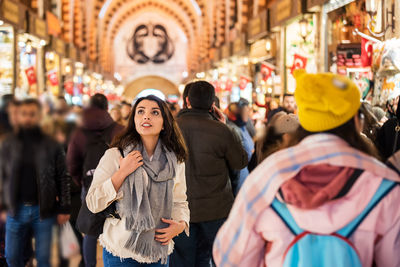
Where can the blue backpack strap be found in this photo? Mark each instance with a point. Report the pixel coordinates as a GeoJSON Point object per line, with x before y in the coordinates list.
{"type": "Point", "coordinates": [284, 213]}
{"type": "Point", "coordinates": [385, 187]}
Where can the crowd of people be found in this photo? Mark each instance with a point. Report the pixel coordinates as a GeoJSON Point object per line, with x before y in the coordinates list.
{"type": "Point", "coordinates": [196, 185]}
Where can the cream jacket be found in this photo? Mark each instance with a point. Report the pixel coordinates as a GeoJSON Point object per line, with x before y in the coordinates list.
{"type": "Point", "coordinates": [102, 193]}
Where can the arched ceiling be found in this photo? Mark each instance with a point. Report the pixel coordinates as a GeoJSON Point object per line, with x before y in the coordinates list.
{"type": "Point", "coordinates": [206, 23]}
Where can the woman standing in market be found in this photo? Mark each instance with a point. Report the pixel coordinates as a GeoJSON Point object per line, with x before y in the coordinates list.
{"type": "Point", "coordinates": [149, 187]}
{"type": "Point", "coordinates": [328, 201]}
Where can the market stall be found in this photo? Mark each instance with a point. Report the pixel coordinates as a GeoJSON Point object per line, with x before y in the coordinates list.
{"type": "Point", "coordinates": [30, 58]}
{"type": "Point", "coordinates": [11, 21]}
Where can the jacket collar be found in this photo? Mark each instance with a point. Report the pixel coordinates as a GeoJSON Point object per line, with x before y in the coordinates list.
{"type": "Point", "coordinates": [194, 112]}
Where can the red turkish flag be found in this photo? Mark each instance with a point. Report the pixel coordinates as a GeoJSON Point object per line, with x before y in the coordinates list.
{"type": "Point", "coordinates": [243, 81]}
{"type": "Point", "coordinates": [266, 71]}
{"type": "Point", "coordinates": [366, 52]}
{"type": "Point", "coordinates": [217, 85]}
{"type": "Point", "coordinates": [299, 62]}
{"type": "Point", "coordinates": [228, 85]}
{"type": "Point", "coordinates": [31, 75]}
{"type": "Point", "coordinates": [80, 87]}
{"type": "Point", "coordinates": [69, 87]}
{"type": "Point", "coordinates": [53, 77]}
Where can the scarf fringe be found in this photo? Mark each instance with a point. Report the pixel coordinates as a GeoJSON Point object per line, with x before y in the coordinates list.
{"type": "Point", "coordinates": [147, 249]}
{"type": "Point", "coordinates": [141, 225]}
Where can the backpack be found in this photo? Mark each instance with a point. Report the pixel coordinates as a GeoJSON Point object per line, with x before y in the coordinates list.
{"type": "Point", "coordinates": [92, 224]}
{"type": "Point", "coordinates": [333, 250]}
{"type": "Point", "coordinates": [97, 142]}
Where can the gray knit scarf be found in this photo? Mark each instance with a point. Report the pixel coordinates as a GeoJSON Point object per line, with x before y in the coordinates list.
{"type": "Point", "coordinates": [144, 206]}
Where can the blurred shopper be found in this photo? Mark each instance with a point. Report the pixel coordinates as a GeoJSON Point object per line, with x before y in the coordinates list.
{"type": "Point", "coordinates": [116, 114]}
{"type": "Point", "coordinates": [239, 117]}
{"type": "Point", "coordinates": [149, 185]}
{"type": "Point", "coordinates": [35, 186]}
{"type": "Point", "coordinates": [388, 136]}
{"type": "Point", "coordinates": [212, 148]}
{"type": "Point", "coordinates": [380, 115]}
{"type": "Point", "coordinates": [126, 111]}
{"type": "Point", "coordinates": [370, 123]}
{"type": "Point", "coordinates": [323, 189]}
{"type": "Point", "coordinates": [266, 105]}
{"type": "Point", "coordinates": [5, 126]}
{"type": "Point", "coordinates": [288, 106]}
{"type": "Point", "coordinates": [279, 134]}
{"type": "Point", "coordinates": [185, 94]}
{"type": "Point", "coordinates": [88, 144]}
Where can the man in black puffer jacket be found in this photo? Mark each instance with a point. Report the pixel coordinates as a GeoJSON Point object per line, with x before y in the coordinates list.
{"type": "Point", "coordinates": [34, 186]}
{"type": "Point", "coordinates": [213, 150]}
{"type": "Point", "coordinates": [388, 137]}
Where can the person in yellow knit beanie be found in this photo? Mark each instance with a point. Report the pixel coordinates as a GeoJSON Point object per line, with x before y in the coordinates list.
{"type": "Point", "coordinates": [325, 100]}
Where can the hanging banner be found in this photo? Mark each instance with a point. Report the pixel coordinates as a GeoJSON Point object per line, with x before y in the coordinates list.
{"type": "Point", "coordinates": [266, 71]}
{"type": "Point", "coordinates": [217, 85]}
{"type": "Point", "coordinates": [366, 52]}
{"type": "Point", "coordinates": [69, 87]}
{"type": "Point", "coordinates": [243, 81]}
{"type": "Point", "coordinates": [31, 75]}
{"type": "Point", "coordinates": [228, 85]}
{"type": "Point", "coordinates": [299, 62]}
{"type": "Point", "coordinates": [53, 77]}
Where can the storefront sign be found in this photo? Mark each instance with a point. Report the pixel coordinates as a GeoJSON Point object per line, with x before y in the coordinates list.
{"type": "Point", "coordinates": [239, 45]}
{"type": "Point", "coordinates": [37, 26]}
{"type": "Point", "coordinates": [13, 13]}
{"type": "Point", "coordinates": [53, 24]}
{"type": "Point", "coordinates": [299, 62]}
{"type": "Point", "coordinates": [58, 46]}
{"type": "Point", "coordinates": [225, 51]}
{"type": "Point", "coordinates": [72, 52]}
{"type": "Point", "coordinates": [257, 27]}
{"type": "Point", "coordinates": [284, 10]}
{"type": "Point", "coordinates": [314, 3]}
{"type": "Point", "coordinates": [31, 75]}
{"type": "Point", "coordinates": [83, 58]}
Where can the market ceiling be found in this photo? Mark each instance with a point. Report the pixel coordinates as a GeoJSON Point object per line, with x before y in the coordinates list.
{"type": "Point", "coordinates": [204, 23]}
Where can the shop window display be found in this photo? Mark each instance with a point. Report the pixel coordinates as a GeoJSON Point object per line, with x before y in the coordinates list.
{"type": "Point", "coordinates": [27, 66]}
{"type": "Point", "coordinates": [348, 52]}
{"type": "Point", "coordinates": [300, 48]}
{"type": "Point", "coordinates": [52, 73]}
{"type": "Point", "coordinates": [6, 59]}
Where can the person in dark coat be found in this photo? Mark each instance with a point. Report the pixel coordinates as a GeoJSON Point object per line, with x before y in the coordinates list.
{"type": "Point", "coordinates": [213, 149]}
{"type": "Point", "coordinates": [34, 186]}
{"type": "Point", "coordinates": [96, 121]}
{"type": "Point", "coordinates": [5, 125]}
{"type": "Point", "coordinates": [386, 136]}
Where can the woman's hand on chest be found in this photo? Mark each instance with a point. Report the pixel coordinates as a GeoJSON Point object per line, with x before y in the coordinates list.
{"type": "Point", "coordinates": [165, 235]}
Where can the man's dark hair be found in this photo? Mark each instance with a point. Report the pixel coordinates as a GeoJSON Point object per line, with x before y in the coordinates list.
{"type": "Point", "coordinates": [186, 93]}
{"type": "Point", "coordinates": [99, 101]}
{"type": "Point", "coordinates": [243, 102]}
{"type": "Point", "coordinates": [201, 95]}
{"type": "Point", "coordinates": [124, 103]}
{"type": "Point", "coordinates": [31, 101]}
{"type": "Point", "coordinates": [217, 102]}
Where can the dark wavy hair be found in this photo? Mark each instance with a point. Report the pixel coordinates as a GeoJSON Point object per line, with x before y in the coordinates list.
{"type": "Point", "coordinates": [348, 132]}
{"type": "Point", "coordinates": [171, 136]}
